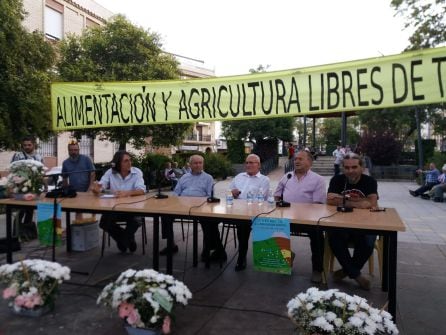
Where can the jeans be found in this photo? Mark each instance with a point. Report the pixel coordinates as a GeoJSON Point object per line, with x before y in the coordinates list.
{"type": "Point", "coordinates": [363, 248]}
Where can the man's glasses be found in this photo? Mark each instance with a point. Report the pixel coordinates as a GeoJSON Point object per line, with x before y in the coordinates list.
{"type": "Point", "coordinates": [251, 162]}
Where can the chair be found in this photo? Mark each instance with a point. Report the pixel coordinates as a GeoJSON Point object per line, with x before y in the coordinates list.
{"type": "Point", "coordinates": [143, 236]}
{"type": "Point", "coordinates": [329, 257]}
{"type": "Point", "coordinates": [228, 226]}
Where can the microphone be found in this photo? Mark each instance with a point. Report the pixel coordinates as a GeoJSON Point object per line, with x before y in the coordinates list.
{"type": "Point", "coordinates": [160, 195]}
{"type": "Point", "coordinates": [63, 192]}
{"type": "Point", "coordinates": [213, 199]}
{"type": "Point", "coordinates": [281, 202]}
{"type": "Point", "coordinates": [344, 208]}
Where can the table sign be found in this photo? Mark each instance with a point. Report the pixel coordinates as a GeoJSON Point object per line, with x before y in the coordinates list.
{"type": "Point", "coordinates": [45, 212]}
{"type": "Point", "coordinates": [271, 245]}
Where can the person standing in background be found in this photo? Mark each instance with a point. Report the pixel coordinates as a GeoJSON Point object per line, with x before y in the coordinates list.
{"type": "Point", "coordinates": [78, 171]}
{"type": "Point", "coordinates": [27, 228]}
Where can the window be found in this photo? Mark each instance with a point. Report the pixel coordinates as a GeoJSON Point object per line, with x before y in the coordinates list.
{"type": "Point", "coordinates": [86, 146]}
{"type": "Point", "coordinates": [48, 148]}
{"type": "Point", "coordinates": [53, 25]}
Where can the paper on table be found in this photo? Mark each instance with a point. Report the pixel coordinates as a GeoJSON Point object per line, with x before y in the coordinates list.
{"type": "Point", "coordinates": [108, 196]}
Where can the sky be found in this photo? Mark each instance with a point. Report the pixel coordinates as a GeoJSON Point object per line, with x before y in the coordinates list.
{"type": "Point", "coordinates": [233, 36]}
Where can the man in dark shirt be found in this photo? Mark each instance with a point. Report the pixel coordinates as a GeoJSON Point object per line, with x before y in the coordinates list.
{"type": "Point", "coordinates": [360, 191]}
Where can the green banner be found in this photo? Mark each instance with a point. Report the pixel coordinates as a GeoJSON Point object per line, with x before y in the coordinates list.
{"type": "Point", "coordinates": [407, 79]}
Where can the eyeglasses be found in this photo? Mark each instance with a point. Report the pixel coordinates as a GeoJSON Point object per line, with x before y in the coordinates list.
{"type": "Point", "coordinates": [251, 162]}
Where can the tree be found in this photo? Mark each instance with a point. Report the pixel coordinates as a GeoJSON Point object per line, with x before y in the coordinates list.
{"type": "Point", "coordinates": [264, 133]}
{"type": "Point", "coordinates": [120, 51]}
{"type": "Point", "coordinates": [426, 18]}
{"type": "Point", "coordinates": [330, 131]}
{"type": "Point", "coordinates": [25, 64]}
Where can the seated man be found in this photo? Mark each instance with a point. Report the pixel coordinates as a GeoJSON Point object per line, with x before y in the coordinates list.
{"type": "Point", "coordinates": [252, 179]}
{"type": "Point", "coordinates": [197, 183]}
{"type": "Point", "coordinates": [306, 186]}
{"type": "Point", "coordinates": [122, 180]}
{"type": "Point", "coordinates": [361, 191]}
{"type": "Point", "coordinates": [436, 193]}
{"type": "Point", "coordinates": [431, 180]}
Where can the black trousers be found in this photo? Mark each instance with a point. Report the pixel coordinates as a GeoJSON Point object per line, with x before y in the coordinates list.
{"type": "Point", "coordinates": [109, 224]}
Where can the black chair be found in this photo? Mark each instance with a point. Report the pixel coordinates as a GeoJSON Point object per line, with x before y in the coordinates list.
{"type": "Point", "coordinates": [227, 226]}
{"type": "Point", "coordinates": [143, 236]}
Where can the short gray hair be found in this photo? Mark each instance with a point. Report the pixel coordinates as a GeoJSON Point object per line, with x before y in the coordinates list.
{"type": "Point", "coordinates": [352, 155]}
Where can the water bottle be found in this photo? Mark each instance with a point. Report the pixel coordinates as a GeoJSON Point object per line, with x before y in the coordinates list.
{"type": "Point", "coordinates": [270, 197]}
{"type": "Point", "coordinates": [229, 198]}
{"type": "Point", "coordinates": [250, 197]}
{"type": "Point", "coordinates": [260, 197]}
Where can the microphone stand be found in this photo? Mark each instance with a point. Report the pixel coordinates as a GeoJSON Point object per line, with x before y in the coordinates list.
{"type": "Point", "coordinates": [59, 192]}
{"type": "Point", "coordinates": [212, 199]}
{"type": "Point", "coordinates": [160, 195]}
{"type": "Point", "coordinates": [281, 202]}
{"type": "Point", "coordinates": [343, 208]}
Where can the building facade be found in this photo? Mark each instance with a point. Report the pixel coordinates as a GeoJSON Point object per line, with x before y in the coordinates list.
{"type": "Point", "coordinates": [56, 19]}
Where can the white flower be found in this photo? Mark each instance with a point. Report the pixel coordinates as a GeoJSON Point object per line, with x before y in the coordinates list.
{"type": "Point", "coordinates": [335, 312]}
{"type": "Point", "coordinates": [147, 290]}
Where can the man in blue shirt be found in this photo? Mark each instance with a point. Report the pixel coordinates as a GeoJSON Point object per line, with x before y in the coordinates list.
{"type": "Point", "coordinates": [198, 183]}
{"type": "Point", "coordinates": [122, 180]}
{"type": "Point", "coordinates": [78, 171]}
{"type": "Point", "coordinates": [431, 180]}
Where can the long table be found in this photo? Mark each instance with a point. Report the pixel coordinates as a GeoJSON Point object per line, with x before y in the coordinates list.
{"type": "Point", "coordinates": [302, 216]}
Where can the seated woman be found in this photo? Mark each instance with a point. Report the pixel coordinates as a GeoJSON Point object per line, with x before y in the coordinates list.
{"type": "Point", "coordinates": [122, 180]}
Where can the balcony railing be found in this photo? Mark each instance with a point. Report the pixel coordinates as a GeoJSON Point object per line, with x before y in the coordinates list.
{"type": "Point", "coordinates": [198, 138]}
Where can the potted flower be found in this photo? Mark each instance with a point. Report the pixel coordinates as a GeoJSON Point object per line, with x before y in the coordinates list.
{"type": "Point", "coordinates": [333, 312]}
{"type": "Point", "coordinates": [145, 299]}
{"type": "Point", "coordinates": [32, 285]}
{"type": "Point", "coordinates": [26, 178]}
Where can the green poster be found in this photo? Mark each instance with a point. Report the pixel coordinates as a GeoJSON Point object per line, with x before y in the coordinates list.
{"type": "Point", "coordinates": [45, 213]}
{"type": "Point", "coordinates": [271, 245]}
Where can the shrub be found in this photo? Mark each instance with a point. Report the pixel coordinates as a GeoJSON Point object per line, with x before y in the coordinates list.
{"type": "Point", "coordinates": [236, 151]}
{"type": "Point", "coordinates": [382, 148]}
{"type": "Point", "coordinates": [217, 165]}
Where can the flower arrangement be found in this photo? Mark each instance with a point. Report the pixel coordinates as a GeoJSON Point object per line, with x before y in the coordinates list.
{"type": "Point", "coordinates": [145, 298]}
{"type": "Point", "coordinates": [32, 283]}
{"type": "Point", "coordinates": [334, 312]}
{"type": "Point", "coordinates": [26, 176]}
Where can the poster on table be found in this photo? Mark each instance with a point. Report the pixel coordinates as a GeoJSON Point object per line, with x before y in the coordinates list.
{"type": "Point", "coordinates": [271, 245]}
{"type": "Point", "coordinates": [45, 213]}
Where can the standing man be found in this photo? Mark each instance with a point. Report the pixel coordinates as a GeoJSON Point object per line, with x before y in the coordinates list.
{"type": "Point", "coordinates": [27, 228]}
{"type": "Point", "coordinates": [360, 191]}
{"type": "Point", "coordinates": [198, 183]}
{"type": "Point", "coordinates": [250, 180]}
{"type": "Point", "coordinates": [338, 154]}
{"type": "Point", "coordinates": [78, 171]}
{"type": "Point", "coordinates": [122, 180]}
{"type": "Point", "coordinates": [306, 186]}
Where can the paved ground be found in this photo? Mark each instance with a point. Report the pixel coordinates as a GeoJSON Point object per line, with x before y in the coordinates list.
{"type": "Point", "coordinates": [250, 302]}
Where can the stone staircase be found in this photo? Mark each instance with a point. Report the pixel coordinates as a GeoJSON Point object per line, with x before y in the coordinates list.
{"type": "Point", "coordinates": [323, 165]}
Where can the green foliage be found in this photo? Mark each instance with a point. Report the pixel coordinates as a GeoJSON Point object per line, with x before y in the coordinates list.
{"type": "Point", "coordinates": [331, 131]}
{"type": "Point", "coordinates": [152, 167]}
{"type": "Point", "coordinates": [217, 165]}
{"type": "Point", "coordinates": [382, 148]}
{"type": "Point", "coordinates": [426, 19]}
{"type": "Point", "coordinates": [439, 158]}
{"type": "Point", "coordinates": [236, 151]}
{"type": "Point", "coordinates": [120, 51]}
{"type": "Point", "coordinates": [428, 147]}
{"type": "Point", "coordinates": [25, 73]}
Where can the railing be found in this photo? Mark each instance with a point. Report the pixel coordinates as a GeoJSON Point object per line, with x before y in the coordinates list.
{"type": "Point", "coordinates": [198, 138]}
{"type": "Point", "coordinates": [269, 165]}
{"type": "Point", "coordinates": [48, 148]}
{"type": "Point", "coordinates": [289, 165]}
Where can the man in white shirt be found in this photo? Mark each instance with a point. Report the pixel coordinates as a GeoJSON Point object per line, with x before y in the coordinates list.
{"type": "Point", "coordinates": [250, 180]}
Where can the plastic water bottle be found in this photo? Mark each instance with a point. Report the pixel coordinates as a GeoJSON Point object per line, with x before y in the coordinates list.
{"type": "Point", "coordinates": [250, 197]}
{"type": "Point", "coordinates": [270, 197]}
{"type": "Point", "coordinates": [259, 196]}
{"type": "Point", "coordinates": [229, 198]}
